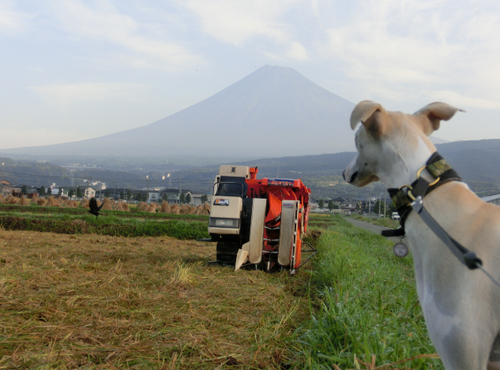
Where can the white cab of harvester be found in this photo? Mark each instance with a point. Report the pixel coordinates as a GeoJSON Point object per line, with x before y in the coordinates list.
{"type": "Point", "coordinates": [225, 214]}
{"type": "Point", "coordinates": [225, 210]}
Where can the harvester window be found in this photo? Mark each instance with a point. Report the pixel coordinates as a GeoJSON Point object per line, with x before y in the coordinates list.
{"type": "Point", "coordinates": [230, 189]}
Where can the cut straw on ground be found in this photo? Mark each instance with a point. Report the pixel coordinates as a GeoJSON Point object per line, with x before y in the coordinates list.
{"type": "Point", "coordinates": [110, 302]}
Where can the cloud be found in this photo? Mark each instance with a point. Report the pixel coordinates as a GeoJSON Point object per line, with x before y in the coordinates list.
{"type": "Point", "coordinates": [104, 23]}
{"type": "Point", "coordinates": [297, 51]}
{"type": "Point", "coordinates": [293, 50]}
{"type": "Point", "coordinates": [63, 97]}
{"type": "Point", "coordinates": [238, 22]}
{"type": "Point", "coordinates": [403, 50]}
{"type": "Point", "coordinates": [460, 100]}
{"type": "Point", "coordinates": [10, 20]}
{"type": "Point", "coordinates": [235, 22]}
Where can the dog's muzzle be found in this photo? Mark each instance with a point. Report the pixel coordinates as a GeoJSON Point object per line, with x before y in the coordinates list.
{"type": "Point", "coordinates": [353, 177]}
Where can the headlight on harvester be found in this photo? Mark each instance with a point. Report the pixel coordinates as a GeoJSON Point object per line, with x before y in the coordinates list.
{"type": "Point", "coordinates": [224, 222]}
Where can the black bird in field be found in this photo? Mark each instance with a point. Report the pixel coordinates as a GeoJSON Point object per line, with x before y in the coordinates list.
{"type": "Point", "coordinates": [94, 208]}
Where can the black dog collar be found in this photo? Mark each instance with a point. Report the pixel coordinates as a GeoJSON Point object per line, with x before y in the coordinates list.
{"type": "Point", "coordinates": [402, 197]}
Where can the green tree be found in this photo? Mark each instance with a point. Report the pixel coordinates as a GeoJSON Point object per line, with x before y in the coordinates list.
{"type": "Point", "coordinates": [122, 195]}
{"type": "Point", "coordinates": [188, 198]}
{"type": "Point", "coordinates": [71, 192]}
{"type": "Point", "coordinates": [204, 198]}
{"type": "Point", "coordinates": [24, 190]}
{"type": "Point", "coordinates": [165, 197]}
{"type": "Point", "coordinates": [129, 194]}
{"type": "Point", "coordinates": [330, 205]}
{"type": "Point", "coordinates": [107, 193]}
{"type": "Point", "coordinates": [42, 191]}
{"type": "Point", "coordinates": [79, 192]}
{"type": "Point", "coordinates": [60, 191]}
{"type": "Point", "coordinates": [321, 203]}
{"type": "Point", "coordinates": [182, 198]}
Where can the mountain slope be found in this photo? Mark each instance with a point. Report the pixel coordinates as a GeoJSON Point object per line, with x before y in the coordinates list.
{"type": "Point", "coordinates": [273, 111]}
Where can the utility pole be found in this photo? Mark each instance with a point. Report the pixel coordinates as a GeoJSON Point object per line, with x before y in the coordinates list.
{"type": "Point", "coordinates": [370, 201]}
{"type": "Point", "coordinates": [147, 190]}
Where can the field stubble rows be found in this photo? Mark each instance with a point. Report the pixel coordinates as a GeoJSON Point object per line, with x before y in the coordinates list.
{"type": "Point", "coordinates": [93, 301]}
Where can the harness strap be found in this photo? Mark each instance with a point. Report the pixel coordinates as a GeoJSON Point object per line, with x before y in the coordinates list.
{"type": "Point", "coordinates": [467, 257]}
{"type": "Point", "coordinates": [389, 233]}
{"type": "Point", "coordinates": [404, 203]}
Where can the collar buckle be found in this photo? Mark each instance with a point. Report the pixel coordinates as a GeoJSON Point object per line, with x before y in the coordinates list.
{"type": "Point", "coordinates": [408, 192]}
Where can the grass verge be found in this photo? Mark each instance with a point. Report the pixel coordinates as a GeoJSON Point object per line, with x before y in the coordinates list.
{"type": "Point", "coordinates": [364, 306]}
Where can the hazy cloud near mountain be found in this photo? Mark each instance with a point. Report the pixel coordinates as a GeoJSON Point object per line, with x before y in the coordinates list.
{"type": "Point", "coordinates": [66, 97]}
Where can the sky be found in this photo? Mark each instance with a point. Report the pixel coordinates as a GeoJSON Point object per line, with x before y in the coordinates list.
{"type": "Point", "coordinates": [72, 70]}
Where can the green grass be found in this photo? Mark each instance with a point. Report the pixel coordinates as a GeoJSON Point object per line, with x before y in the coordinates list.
{"type": "Point", "coordinates": [363, 304]}
{"type": "Point", "coordinates": [387, 222]}
{"type": "Point", "coordinates": [321, 221]}
{"type": "Point", "coordinates": [109, 225]}
{"type": "Point", "coordinates": [134, 212]}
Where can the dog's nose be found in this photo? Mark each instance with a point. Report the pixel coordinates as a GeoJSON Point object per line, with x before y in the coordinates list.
{"type": "Point", "coordinates": [352, 177]}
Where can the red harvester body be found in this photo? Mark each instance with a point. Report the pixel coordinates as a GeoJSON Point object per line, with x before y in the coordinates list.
{"type": "Point", "coordinates": [258, 221]}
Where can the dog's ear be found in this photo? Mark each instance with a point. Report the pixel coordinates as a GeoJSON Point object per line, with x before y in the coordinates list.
{"type": "Point", "coordinates": [372, 115]}
{"type": "Point", "coordinates": [431, 115]}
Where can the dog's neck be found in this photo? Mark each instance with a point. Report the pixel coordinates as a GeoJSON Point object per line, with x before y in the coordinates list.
{"type": "Point", "coordinates": [404, 165]}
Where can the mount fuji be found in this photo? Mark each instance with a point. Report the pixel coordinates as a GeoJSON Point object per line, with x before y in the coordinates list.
{"type": "Point", "coordinates": [274, 111]}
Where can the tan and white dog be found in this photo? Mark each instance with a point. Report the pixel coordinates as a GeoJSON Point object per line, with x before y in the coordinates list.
{"type": "Point", "coordinates": [461, 306]}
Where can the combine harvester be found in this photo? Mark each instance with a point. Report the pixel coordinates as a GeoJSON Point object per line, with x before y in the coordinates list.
{"type": "Point", "coordinates": [259, 222]}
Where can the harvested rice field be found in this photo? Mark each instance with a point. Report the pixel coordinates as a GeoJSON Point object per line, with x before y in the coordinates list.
{"type": "Point", "coordinates": [103, 302]}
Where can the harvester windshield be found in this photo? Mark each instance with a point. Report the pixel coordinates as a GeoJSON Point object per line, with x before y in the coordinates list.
{"type": "Point", "coordinates": [231, 186]}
